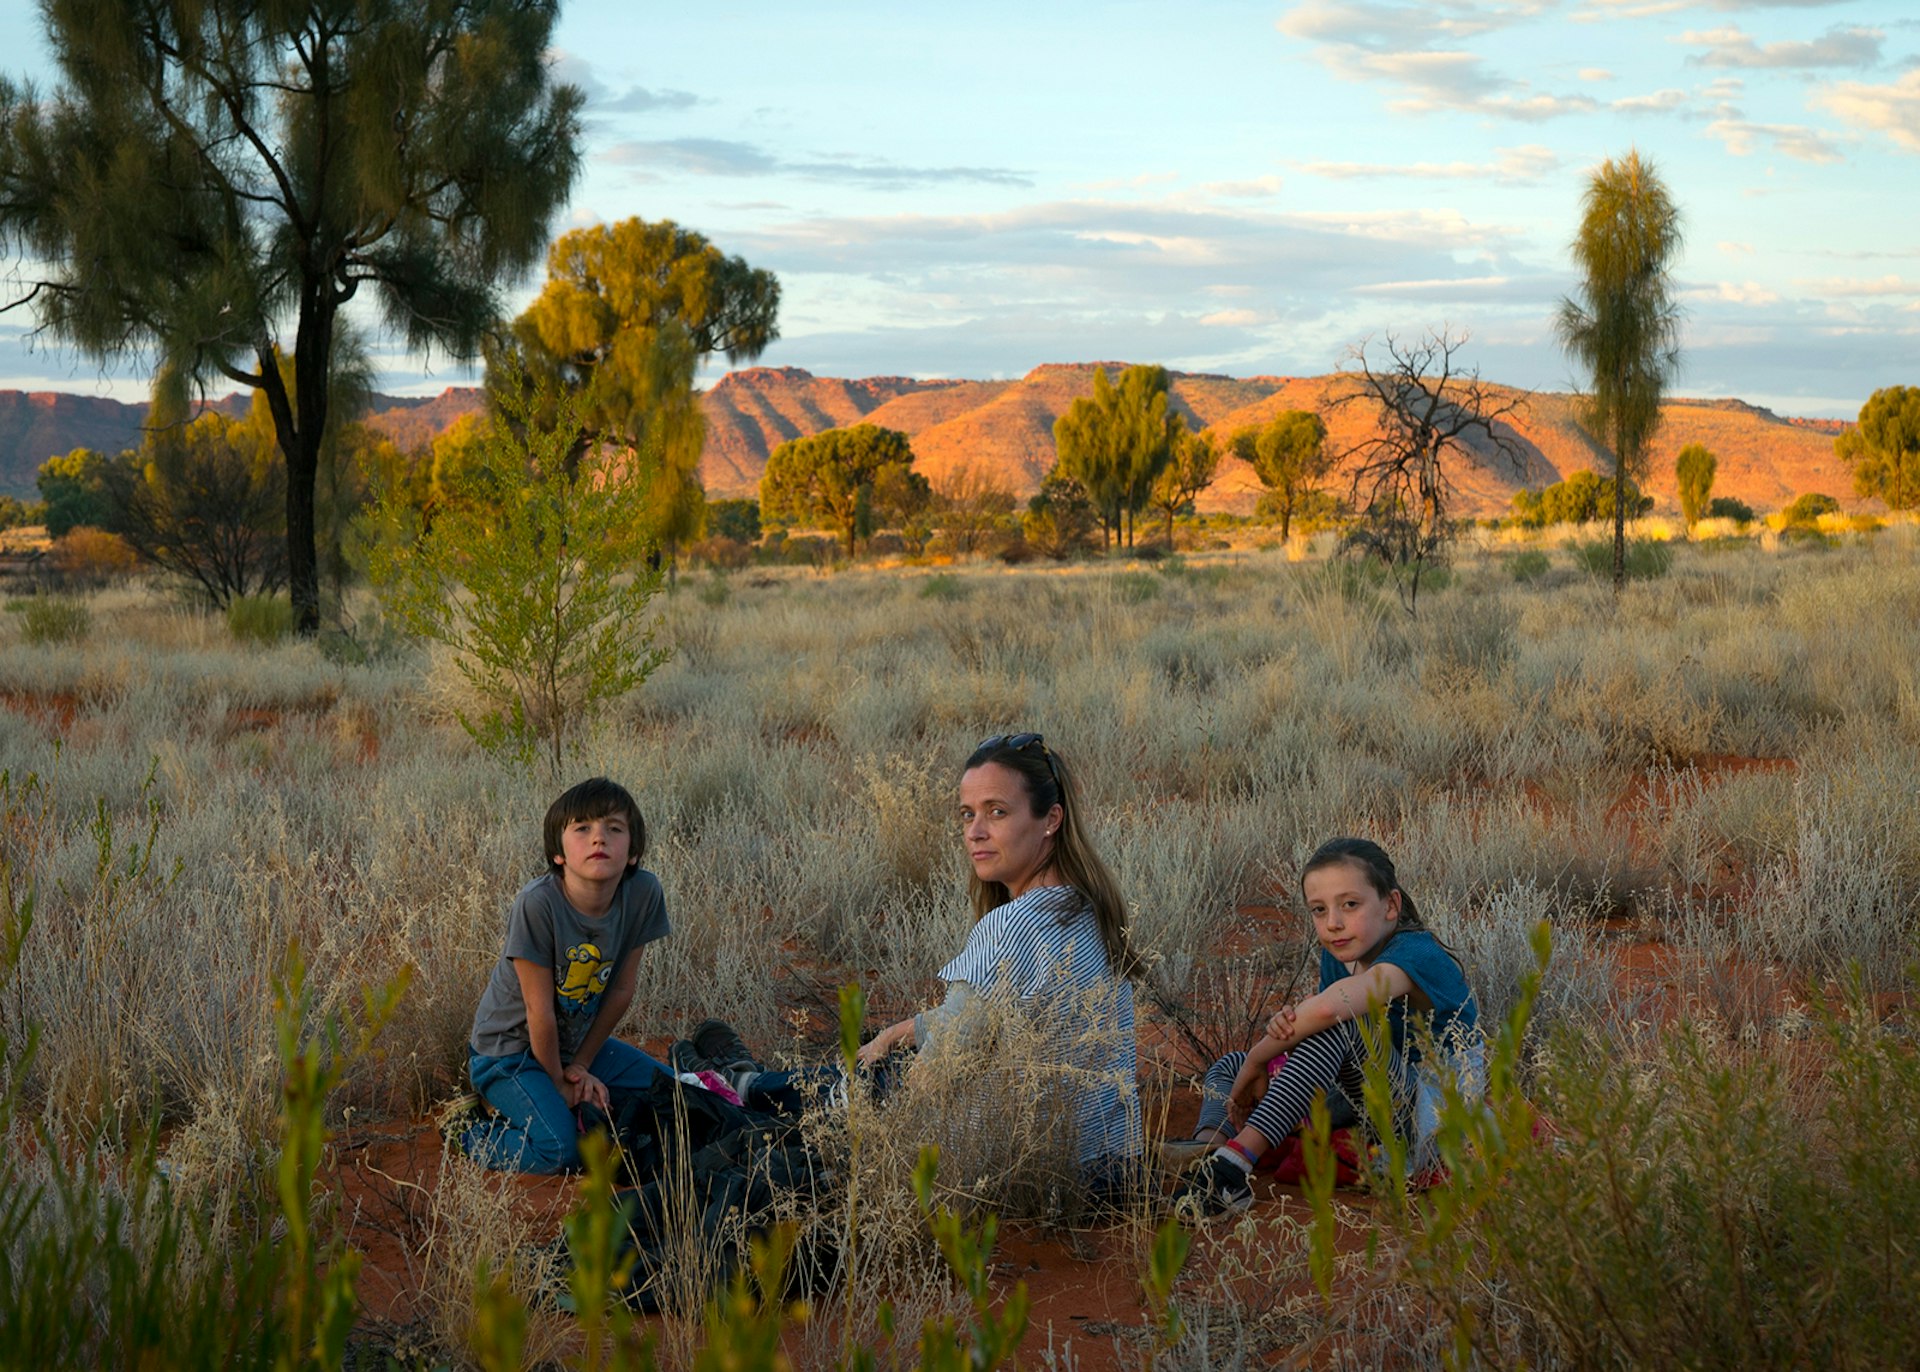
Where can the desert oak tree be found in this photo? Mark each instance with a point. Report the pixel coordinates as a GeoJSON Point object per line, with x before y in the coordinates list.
{"type": "Point", "coordinates": [833, 475]}
{"type": "Point", "coordinates": [1624, 328]}
{"type": "Point", "coordinates": [1116, 442]}
{"type": "Point", "coordinates": [628, 312]}
{"type": "Point", "coordinates": [1884, 448]}
{"type": "Point", "coordinates": [1693, 472]}
{"type": "Point", "coordinates": [209, 178]}
{"type": "Point", "coordinates": [1289, 455]}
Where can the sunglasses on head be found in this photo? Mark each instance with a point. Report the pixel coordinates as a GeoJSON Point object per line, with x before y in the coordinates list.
{"type": "Point", "coordinates": [1019, 743]}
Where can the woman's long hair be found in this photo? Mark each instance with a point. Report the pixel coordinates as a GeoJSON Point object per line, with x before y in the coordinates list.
{"type": "Point", "coordinates": [1049, 782]}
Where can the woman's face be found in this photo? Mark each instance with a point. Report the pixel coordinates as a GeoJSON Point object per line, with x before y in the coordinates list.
{"type": "Point", "coordinates": [1006, 842]}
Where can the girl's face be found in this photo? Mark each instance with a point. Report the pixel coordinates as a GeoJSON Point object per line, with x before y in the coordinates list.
{"type": "Point", "coordinates": [1006, 842]}
{"type": "Point", "coordinates": [1350, 918]}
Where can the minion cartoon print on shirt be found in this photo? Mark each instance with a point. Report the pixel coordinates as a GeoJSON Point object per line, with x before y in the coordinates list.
{"type": "Point", "coordinates": [587, 976]}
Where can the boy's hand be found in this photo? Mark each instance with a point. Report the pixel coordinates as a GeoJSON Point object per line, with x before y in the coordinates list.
{"type": "Point", "coordinates": [584, 1088]}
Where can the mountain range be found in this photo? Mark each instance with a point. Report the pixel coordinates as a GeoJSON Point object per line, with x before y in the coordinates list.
{"type": "Point", "coordinates": [1002, 431]}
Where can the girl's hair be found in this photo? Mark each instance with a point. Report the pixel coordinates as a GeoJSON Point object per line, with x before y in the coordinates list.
{"type": "Point", "coordinates": [1049, 782]}
{"type": "Point", "coordinates": [594, 798]}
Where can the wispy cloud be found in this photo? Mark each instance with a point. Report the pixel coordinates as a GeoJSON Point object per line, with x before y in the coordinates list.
{"type": "Point", "coordinates": [1798, 141]}
{"type": "Point", "coordinates": [1858, 286]}
{"type": "Point", "coordinates": [1416, 49]}
{"type": "Point", "coordinates": [1731, 46]}
{"type": "Point", "coordinates": [728, 157]}
{"type": "Point", "coordinates": [604, 99]}
{"type": "Point", "coordinates": [1892, 109]}
{"type": "Point", "coordinates": [1512, 166]}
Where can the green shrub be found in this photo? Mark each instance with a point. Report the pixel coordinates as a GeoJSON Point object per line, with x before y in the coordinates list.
{"type": "Point", "coordinates": [1805, 511]}
{"type": "Point", "coordinates": [1646, 558]}
{"type": "Point", "coordinates": [714, 591]}
{"type": "Point", "coordinates": [1530, 565]}
{"type": "Point", "coordinates": [1726, 507]}
{"type": "Point", "coordinates": [259, 618]}
{"type": "Point", "coordinates": [942, 586]}
{"type": "Point", "coordinates": [55, 619]}
{"type": "Point", "coordinates": [1136, 588]}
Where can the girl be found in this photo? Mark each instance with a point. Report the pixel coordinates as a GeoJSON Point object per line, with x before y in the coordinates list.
{"type": "Point", "coordinates": [1373, 950]}
{"type": "Point", "coordinates": [1050, 933]}
{"type": "Point", "coordinates": [542, 1042]}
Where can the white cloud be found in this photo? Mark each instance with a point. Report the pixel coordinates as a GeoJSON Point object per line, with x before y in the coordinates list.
{"type": "Point", "coordinates": [1258, 188]}
{"type": "Point", "coordinates": [729, 157]}
{"type": "Point", "coordinates": [1731, 46]}
{"type": "Point", "coordinates": [1728, 248]}
{"type": "Point", "coordinates": [1734, 293]}
{"type": "Point", "coordinates": [1415, 48]}
{"type": "Point", "coordinates": [1857, 286]}
{"type": "Point", "coordinates": [1232, 319]}
{"type": "Point", "coordinates": [1659, 102]}
{"type": "Point", "coordinates": [1891, 109]}
{"type": "Point", "coordinates": [1595, 74]}
{"type": "Point", "coordinates": [1797, 141]}
{"type": "Point", "coordinates": [1513, 166]}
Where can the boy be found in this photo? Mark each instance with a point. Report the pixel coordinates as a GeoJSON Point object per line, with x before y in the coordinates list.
{"type": "Point", "coordinates": [542, 1043]}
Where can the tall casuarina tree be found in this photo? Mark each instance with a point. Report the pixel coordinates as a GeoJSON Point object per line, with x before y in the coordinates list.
{"type": "Point", "coordinates": [1624, 328]}
{"type": "Point", "coordinates": [212, 181]}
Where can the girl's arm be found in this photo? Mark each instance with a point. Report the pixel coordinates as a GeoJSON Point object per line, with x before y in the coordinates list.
{"type": "Point", "coordinates": [1348, 998]}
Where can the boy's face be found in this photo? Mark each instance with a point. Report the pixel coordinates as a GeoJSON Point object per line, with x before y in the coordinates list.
{"type": "Point", "coordinates": [596, 849]}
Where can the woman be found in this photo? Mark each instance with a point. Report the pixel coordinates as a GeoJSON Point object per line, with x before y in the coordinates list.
{"type": "Point", "coordinates": [1050, 939]}
{"type": "Point", "coordinates": [1050, 934]}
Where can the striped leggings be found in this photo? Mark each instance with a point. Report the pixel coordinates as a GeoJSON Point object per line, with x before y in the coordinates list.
{"type": "Point", "coordinates": [1331, 1062]}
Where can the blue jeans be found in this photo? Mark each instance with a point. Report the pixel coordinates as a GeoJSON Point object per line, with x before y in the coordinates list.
{"type": "Point", "coordinates": [533, 1130]}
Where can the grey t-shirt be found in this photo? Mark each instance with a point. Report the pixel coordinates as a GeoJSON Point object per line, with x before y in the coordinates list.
{"type": "Point", "coordinates": [584, 954]}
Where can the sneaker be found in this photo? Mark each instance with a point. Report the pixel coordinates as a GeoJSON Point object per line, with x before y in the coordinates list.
{"type": "Point", "coordinates": [1180, 1154]}
{"type": "Point", "coordinates": [1217, 1186]}
{"type": "Point", "coordinates": [684, 1057]}
{"type": "Point", "coordinates": [716, 1041]}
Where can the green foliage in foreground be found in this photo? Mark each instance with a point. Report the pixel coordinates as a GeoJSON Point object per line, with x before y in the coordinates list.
{"type": "Point", "coordinates": [1695, 1205]}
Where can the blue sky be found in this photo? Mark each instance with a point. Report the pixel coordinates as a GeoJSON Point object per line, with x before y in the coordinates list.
{"type": "Point", "coordinates": [1248, 188]}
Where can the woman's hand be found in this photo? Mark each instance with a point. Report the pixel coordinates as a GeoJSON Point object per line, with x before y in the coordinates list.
{"type": "Point", "coordinates": [884, 1042]}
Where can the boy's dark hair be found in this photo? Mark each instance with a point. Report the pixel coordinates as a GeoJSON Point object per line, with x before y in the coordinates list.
{"type": "Point", "coordinates": [594, 798]}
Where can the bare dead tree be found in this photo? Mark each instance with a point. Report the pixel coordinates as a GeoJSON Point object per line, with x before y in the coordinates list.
{"type": "Point", "coordinates": [1428, 403]}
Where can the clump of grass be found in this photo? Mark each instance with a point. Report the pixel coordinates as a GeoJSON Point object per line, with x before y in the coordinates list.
{"type": "Point", "coordinates": [1528, 565]}
{"type": "Point", "coordinates": [942, 586]}
{"type": "Point", "coordinates": [54, 619]}
{"type": "Point", "coordinates": [262, 619]}
{"type": "Point", "coordinates": [1646, 558]}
